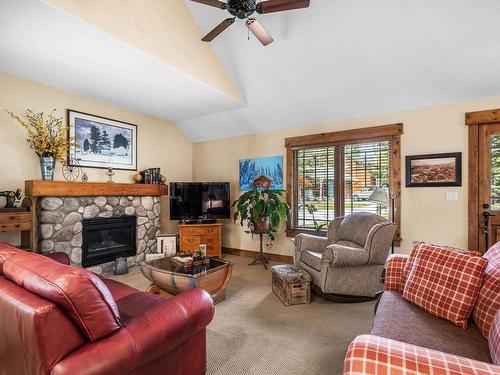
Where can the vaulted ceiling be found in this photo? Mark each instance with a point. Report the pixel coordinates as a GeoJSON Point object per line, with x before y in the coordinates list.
{"type": "Point", "coordinates": [336, 59]}
{"type": "Point", "coordinates": [343, 59]}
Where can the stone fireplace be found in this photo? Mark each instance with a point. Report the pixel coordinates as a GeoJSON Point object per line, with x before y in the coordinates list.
{"type": "Point", "coordinates": [61, 221]}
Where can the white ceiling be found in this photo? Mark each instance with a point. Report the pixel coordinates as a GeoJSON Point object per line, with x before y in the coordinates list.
{"type": "Point", "coordinates": [343, 59]}
{"type": "Point", "coordinates": [42, 43]}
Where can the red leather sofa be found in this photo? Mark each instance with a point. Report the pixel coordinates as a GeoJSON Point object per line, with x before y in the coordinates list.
{"type": "Point", "coordinates": [58, 319]}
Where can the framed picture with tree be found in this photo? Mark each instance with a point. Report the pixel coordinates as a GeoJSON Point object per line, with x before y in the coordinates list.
{"type": "Point", "coordinates": [101, 142]}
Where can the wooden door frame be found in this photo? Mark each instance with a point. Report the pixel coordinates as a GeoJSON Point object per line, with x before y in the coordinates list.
{"type": "Point", "coordinates": [474, 120]}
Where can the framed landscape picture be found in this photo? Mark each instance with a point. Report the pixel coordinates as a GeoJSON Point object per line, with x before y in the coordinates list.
{"type": "Point", "coordinates": [102, 142]}
{"type": "Point", "coordinates": [263, 173]}
{"type": "Point", "coordinates": [434, 170]}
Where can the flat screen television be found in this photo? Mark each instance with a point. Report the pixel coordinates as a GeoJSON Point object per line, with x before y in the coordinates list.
{"type": "Point", "coordinates": [199, 200]}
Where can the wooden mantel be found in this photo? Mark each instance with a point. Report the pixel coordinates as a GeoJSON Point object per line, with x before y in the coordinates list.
{"type": "Point", "coordinates": [39, 188]}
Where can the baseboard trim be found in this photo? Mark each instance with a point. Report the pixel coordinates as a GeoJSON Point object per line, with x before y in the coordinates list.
{"type": "Point", "coordinates": [285, 259]}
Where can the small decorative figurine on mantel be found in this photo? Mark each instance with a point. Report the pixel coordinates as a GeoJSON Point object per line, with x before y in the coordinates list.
{"type": "Point", "coordinates": [11, 197]}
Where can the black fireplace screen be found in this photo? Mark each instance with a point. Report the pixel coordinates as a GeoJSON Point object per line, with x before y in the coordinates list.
{"type": "Point", "coordinates": [105, 239]}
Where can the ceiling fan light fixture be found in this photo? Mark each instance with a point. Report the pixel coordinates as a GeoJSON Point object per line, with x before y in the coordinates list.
{"type": "Point", "coordinates": [260, 33]}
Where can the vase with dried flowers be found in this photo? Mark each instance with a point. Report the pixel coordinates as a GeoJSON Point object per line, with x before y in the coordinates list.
{"type": "Point", "coordinates": [47, 136]}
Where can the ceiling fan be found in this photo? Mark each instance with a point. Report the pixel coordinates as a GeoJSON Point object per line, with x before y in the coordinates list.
{"type": "Point", "coordinates": [243, 9]}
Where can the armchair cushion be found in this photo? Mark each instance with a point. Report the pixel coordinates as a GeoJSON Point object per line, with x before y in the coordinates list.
{"type": "Point", "coordinates": [305, 241]}
{"type": "Point", "coordinates": [80, 293]}
{"type": "Point", "coordinates": [312, 259]}
{"type": "Point", "coordinates": [488, 302]}
{"type": "Point", "coordinates": [345, 256]}
{"type": "Point", "coordinates": [356, 227]}
{"type": "Point", "coordinates": [445, 283]}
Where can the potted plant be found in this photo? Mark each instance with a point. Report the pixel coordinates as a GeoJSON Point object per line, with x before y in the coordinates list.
{"type": "Point", "coordinates": [262, 211]}
{"type": "Point", "coordinates": [47, 136]}
{"type": "Point", "coordinates": [311, 208]}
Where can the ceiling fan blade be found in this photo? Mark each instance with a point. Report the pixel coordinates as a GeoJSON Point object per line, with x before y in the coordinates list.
{"type": "Point", "coordinates": [260, 33]}
{"type": "Point", "coordinates": [218, 29]}
{"type": "Point", "coordinates": [212, 3]}
{"type": "Point", "coordinates": [271, 6]}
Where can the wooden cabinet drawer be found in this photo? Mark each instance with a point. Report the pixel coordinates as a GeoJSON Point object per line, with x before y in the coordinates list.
{"type": "Point", "coordinates": [190, 243]}
{"type": "Point", "coordinates": [199, 231]}
{"type": "Point", "coordinates": [10, 222]}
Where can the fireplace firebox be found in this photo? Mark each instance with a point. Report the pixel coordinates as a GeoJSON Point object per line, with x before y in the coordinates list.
{"type": "Point", "coordinates": [105, 239]}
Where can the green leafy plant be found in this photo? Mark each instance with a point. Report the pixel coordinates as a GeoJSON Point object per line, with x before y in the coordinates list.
{"type": "Point", "coordinates": [262, 211]}
{"type": "Point", "coordinates": [311, 208]}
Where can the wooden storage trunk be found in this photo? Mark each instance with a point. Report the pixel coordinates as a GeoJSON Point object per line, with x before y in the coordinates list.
{"type": "Point", "coordinates": [291, 284]}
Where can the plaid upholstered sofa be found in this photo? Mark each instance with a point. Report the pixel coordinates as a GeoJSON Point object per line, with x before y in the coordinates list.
{"type": "Point", "coordinates": [407, 340]}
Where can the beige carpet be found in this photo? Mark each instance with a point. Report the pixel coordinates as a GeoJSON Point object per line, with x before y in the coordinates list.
{"type": "Point", "coordinates": [254, 334]}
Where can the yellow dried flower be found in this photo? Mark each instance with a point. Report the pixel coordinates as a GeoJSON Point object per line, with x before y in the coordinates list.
{"type": "Point", "coordinates": [47, 135]}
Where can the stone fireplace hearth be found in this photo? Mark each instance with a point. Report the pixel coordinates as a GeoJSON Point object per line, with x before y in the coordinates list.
{"type": "Point", "coordinates": [60, 223]}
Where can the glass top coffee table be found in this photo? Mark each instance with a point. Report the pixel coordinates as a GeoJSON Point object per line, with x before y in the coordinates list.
{"type": "Point", "coordinates": [169, 278]}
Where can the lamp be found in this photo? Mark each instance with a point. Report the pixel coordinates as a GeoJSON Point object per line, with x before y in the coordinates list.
{"type": "Point", "coordinates": [381, 197]}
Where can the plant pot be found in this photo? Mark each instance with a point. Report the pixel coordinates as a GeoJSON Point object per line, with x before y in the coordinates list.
{"type": "Point", "coordinates": [261, 225]}
{"type": "Point", "coordinates": [47, 167]}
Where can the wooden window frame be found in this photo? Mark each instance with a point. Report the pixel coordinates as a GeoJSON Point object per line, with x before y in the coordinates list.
{"type": "Point", "coordinates": [474, 120]}
{"type": "Point", "coordinates": [391, 132]}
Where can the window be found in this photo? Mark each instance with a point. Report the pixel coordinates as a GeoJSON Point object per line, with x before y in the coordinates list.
{"type": "Point", "coordinates": [335, 174]}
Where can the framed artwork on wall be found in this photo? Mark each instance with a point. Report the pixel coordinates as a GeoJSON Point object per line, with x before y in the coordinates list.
{"type": "Point", "coordinates": [434, 170]}
{"type": "Point", "coordinates": [264, 173]}
{"type": "Point", "coordinates": [102, 142]}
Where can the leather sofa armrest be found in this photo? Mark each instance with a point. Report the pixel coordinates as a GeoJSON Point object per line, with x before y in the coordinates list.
{"type": "Point", "coordinates": [59, 256]}
{"type": "Point", "coordinates": [371, 355]}
{"type": "Point", "coordinates": [394, 278]}
{"type": "Point", "coordinates": [143, 339]}
{"type": "Point", "coordinates": [338, 255]}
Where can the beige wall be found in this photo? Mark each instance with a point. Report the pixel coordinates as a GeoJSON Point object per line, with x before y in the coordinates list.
{"type": "Point", "coordinates": [162, 28]}
{"type": "Point", "coordinates": [426, 215]}
{"type": "Point", "coordinates": [160, 144]}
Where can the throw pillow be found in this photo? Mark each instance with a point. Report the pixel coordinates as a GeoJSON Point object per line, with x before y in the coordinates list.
{"type": "Point", "coordinates": [445, 283]}
{"type": "Point", "coordinates": [494, 339]}
{"type": "Point", "coordinates": [80, 293]}
{"type": "Point", "coordinates": [488, 301]}
{"type": "Point", "coordinates": [415, 247]}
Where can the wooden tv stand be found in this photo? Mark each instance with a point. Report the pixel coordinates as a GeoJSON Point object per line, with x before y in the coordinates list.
{"type": "Point", "coordinates": [192, 235]}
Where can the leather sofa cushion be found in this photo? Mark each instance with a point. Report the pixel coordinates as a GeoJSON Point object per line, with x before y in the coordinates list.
{"type": "Point", "coordinates": [80, 293]}
{"type": "Point", "coordinates": [6, 251]}
{"type": "Point", "coordinates": [35, 333]}
{"type": "Point", "coordinates": [312, 259]}
{"type": "Point", "coordinates": [397, 319]}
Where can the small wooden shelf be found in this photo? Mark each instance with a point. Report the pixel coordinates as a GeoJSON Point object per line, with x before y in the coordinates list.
{"type": "Point", "coordinates": [39, 188]}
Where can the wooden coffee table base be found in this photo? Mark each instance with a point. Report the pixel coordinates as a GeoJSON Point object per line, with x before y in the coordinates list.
{"type": "Point", "coordinates": [154, 289]}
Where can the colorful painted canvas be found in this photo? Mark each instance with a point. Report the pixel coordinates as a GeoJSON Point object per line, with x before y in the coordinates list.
{"type": "Point", "coordinates": [102, 142]}
{"type": "Point", "coordinates": [264, 173]}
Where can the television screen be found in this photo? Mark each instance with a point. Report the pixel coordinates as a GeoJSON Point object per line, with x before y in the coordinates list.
{"type": "Point", "coordinates": [194, 200]}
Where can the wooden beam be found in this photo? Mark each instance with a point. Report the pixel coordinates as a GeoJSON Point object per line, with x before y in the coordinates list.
{"type": "Point", "coordinates": [39, 188]}
{"type": "Point", "coordinates": [396, 185]}
{"type": "Point", "coordinates": [482, 117]}
{"type": "Point", "coordinates": [346, 136]}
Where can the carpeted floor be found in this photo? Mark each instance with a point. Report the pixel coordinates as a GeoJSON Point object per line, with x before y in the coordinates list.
{"type": "Point", "coordinates": [252, 333]}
